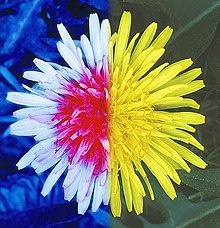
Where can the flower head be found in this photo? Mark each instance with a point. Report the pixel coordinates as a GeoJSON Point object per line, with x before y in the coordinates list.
{"type": "Point", "coordinates": [144, 129]}
{"type": "Point", "coordinates": [107, 115]}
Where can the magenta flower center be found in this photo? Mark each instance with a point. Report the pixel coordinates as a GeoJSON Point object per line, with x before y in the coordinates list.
{"type": "Point", "coordinates": [82, 121]}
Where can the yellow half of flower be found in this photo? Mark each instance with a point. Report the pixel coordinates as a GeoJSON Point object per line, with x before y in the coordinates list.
{"type": "Point", "coordinates": [143, 133]}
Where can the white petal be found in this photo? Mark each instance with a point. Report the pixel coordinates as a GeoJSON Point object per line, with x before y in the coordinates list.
{"type": "Point", "coordinates": [99, 67]}
{"type": "Point", "coordinates": [63, 147]}
{"type": "Point", "coordinates": [103, 178]}
{"type": "Point", "coordinates": [83, 205]}
{"type": "Point", "coordinates": [39, 168]}
{"type": "Point", "coordinates": [29, 99]}
{"type": "Point", "coordinates": [27, 127]}
{"type": "Point", "coordinates": [71, 190]}
{"type": "Point", "coordinates": [54, 176]}
{"type": "Point", "coordinates": [46, 111]}
{"type": "Point", "coordinates": [26, 112]}
{"type": "Point", "coordinates": [85, 182]}
{"type": "Point", "coordinates": [71, 73]}
{"type": "Point", "coordinates": [66, 38]}
{"type": "Point", "coordinates": [33, 152]}
{"type": "Point", "coordinates": [66, 77]}
{"type": "Point", "coordinates": [64, 74]}
{"type": "Point", "coordinates": [98, 194]}
{"type": "Point", "coordinates": [79, 57]}
{"type": "Point", "coordinates": [47, 133]}
{"type": "Point", "coordinates": [83, 149]}
{"type": "Point", "coordinates": [87, 49]}
{"type": "Point", "coordinates": [45, 67]}
{"type": "Point", "coordinates": [55, 66]}
{"type": "Point", "coordinates": [35, 76]}
{"type": "Point", "coordinates": [72, 174]}
{"type": "Point", "coordinates": [69, 57]}
{"type": "Point", "coordinates": [105, 72]}
{"type": "Point", "coordinates": [52, 85]}
{"type": "Point", "coordinates": [46, 145]}
{"type": "Point", "coordinates": [88, 72]}
{"type": "Point", "coordinates": [105, 36]}
{"type": "Point", "coordinates": [28, 157]}
{"type": "Point", "coordinates": [94, 32]}
{"type": "Point", "coordinates": [44, 119]}
{"type": "Point", "coordinates": [107, 191]}
{"type": "Point", "coordinates": [43, 158]}
{"type": "Point", "coordinates": [105, 143]}
{"type": "Point", "coordinates": [52, 95]}
{"type": "Point", "coordinates": [33, 90]}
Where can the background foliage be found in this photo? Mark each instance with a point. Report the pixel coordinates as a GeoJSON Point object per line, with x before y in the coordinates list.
{"type": "Point", "coordinates": [28, 30]}
{"type": "Point", "coordinates": [196, 35]}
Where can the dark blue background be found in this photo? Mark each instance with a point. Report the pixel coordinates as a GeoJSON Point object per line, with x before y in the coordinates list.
{"type": "Point", "coordinates": [28, 30]}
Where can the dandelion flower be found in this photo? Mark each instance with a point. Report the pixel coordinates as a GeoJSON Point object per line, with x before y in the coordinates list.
{"type": "Point", "coordinates": [67, 114]}
{"type": "Point", "coordinates": [107, 116]}
{"type": "Point", "coordinates": [144, 129]}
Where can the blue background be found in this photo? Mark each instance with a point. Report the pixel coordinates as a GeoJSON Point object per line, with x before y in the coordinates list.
{"type": "Point", "coordinates": [28, 30]}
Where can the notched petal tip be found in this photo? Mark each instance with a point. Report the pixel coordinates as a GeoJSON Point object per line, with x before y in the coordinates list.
{"type": "Point", "coordinates": [36, 60]}
{"type": "Point", "coordinates": [126, 13]}
{"type": "Point", "coordinates": [202, 164]}
{"type": "Point", "coordinates": [43, 193]}
{"type": "Point", "coordinates": [19, 166]}
{"type": "Point", "coordinates": [60, 25]}
{"type": "Point", "coordinates": [93, 16]}
{"type": "Point", "coordinates": [10, 96]}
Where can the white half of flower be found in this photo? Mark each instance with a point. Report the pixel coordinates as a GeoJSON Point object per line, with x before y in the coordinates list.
{"type": "Point", "coordinates": [36, 119]}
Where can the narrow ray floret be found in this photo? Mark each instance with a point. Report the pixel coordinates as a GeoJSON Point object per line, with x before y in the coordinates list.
{"type": "Point", "coordinates": [144, 129]}
{"type": "Point", "coordinates": [67, 113]}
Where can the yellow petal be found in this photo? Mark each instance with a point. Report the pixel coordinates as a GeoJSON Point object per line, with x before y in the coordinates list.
{"type": "Point", "coordinates": [145, 40]}
{"type": "Point", "coordinates": [123, 36]}
{"type": "Point", "coordinates": [162, 38]}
